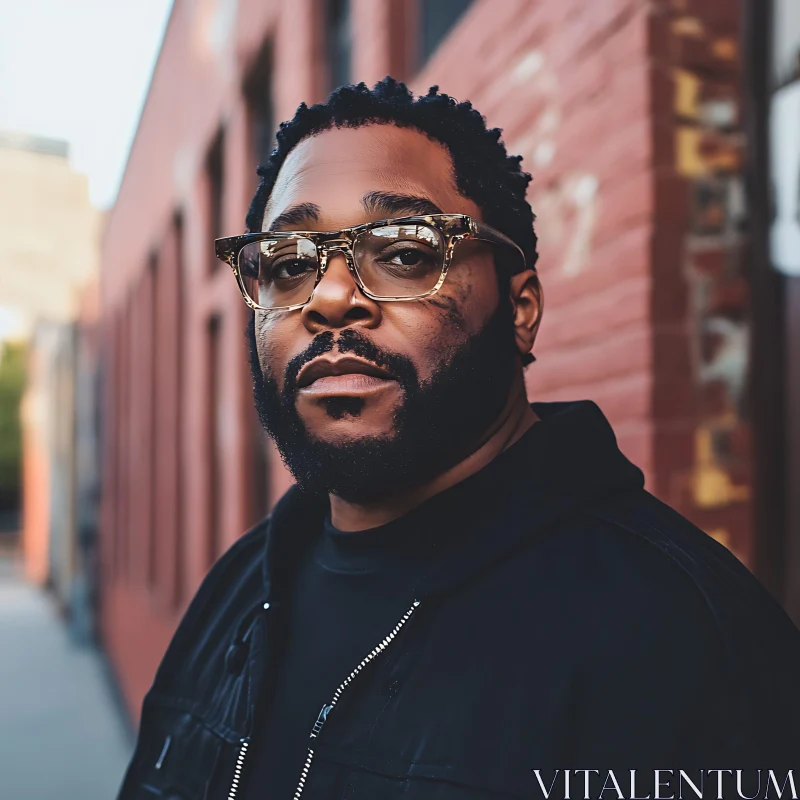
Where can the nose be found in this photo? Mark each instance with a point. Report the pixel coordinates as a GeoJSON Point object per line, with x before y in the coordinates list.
{"type": "Point", "coordinates": [337, 301]}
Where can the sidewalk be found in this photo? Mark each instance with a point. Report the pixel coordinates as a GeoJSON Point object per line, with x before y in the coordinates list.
{"type": "Point", "coordinates": [61, 735]}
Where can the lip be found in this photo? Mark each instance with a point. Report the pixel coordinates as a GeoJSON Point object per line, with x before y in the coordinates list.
{"type": "Point", "coordinates": [349, 365]}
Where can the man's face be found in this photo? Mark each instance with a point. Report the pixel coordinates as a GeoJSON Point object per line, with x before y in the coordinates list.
{"type": "Point", "coordinates": [363, 397]}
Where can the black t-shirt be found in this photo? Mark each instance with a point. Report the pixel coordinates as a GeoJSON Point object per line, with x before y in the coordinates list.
{"type": "Point", "coordinates": [349, 592]}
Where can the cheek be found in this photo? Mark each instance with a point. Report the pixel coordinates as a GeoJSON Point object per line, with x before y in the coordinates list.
{"type": "Point", "coordinates": [432, 328]}
{"type": "Point", "coordinates": [457, 312]}
{"type": "Point", "coordinates": [274, 336]}
{"type": "Point", "coordinates": [469, 292]}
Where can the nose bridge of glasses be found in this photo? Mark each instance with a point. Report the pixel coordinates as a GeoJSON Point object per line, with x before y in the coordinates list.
{"type": "Point", "coordinates": [332, 246]}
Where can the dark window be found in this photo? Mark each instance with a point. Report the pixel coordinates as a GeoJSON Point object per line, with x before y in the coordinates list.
{"type": "Point", "coordinates": [121, 369]}
{"type": "Point", "coordinates": [151, 301]}
{"type": "Point", "coordinates": [215, 172]}
{"type": "Point", "coordinates": [215, 428]}
{"type": "Point", "coordinates": [258, 95]}
{"type": "Point", "coordinates": [177, 321]}
{"type": "Point", "coordinates": [338, 42]}
{"type": "Point", "coordinates": [126, 453]}
{"type": "Point", "coordinates": [436, 18]}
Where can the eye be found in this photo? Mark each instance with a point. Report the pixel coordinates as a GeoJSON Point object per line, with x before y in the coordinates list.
{"type": "Point", "coordinates": [407, 255]}
{"type": "Point", "coordinates": [291, 268]}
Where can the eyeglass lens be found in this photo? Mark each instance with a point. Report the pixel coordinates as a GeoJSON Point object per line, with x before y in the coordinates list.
{"type": "Point", "coordinates": [391, 261]}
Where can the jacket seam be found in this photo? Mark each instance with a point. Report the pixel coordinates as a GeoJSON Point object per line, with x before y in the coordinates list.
{"type": "Point", "coordinates": [407, 776]}
{"type": "Point", "coordinates": [192, 707]}
{"type": "Point", "coordinates": [667, 550]}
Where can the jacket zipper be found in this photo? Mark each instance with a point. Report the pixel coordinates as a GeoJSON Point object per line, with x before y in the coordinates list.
{"type": "Point", "coordinates": [324, 711]}
{"type": "Point", "coordinates": [237, 770]}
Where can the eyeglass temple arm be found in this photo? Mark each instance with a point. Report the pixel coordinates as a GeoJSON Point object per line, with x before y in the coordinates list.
{"type": "Point", "coordinates": [485, 232]}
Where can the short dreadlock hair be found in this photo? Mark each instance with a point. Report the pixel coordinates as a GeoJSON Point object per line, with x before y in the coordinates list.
{"type": "Point", "coordinates": [484, 172]}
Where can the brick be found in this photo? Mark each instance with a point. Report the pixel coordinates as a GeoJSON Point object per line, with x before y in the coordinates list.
{"type": "Point", "coordinates": [670, 299]}
{"type": "Point", "coordinates": [612, 260]}
{"type": "Point", "coordinates": [621, 352]}
{"type": "Point", "coordinates": [675, 444]}
{"type": "Point", "coordinates": [594, 315]}
{"type": "Point", "coordinates": [621, 399]}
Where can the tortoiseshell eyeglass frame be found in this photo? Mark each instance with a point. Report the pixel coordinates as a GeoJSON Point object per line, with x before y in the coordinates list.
{"type": "Point", "coordinates": [454, 228]}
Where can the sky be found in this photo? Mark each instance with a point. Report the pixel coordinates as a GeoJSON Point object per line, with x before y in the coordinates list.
{"type": "Point", "coordinates": [79, 70]}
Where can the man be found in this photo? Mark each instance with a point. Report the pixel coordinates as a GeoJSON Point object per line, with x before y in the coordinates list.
{"type": "Point", "coordinates": [464, 593]}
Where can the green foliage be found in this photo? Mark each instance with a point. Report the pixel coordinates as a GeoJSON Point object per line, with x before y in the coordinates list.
{"type": "Point", "coordinates": [13, 361]}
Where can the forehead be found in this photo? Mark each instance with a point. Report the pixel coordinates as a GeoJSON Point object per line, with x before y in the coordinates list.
{"type": "Point", "coordinates": [334, 169]}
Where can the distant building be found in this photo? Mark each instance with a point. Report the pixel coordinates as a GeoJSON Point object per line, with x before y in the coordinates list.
{"type": "Point", "coordinates": [49, 254]}
{"type": "Point", "coordinates": [49, 231]}
{"type": "Point", "coordinates": [630, 117]}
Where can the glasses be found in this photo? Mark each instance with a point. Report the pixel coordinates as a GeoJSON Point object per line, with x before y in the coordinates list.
{"type": "Point", "coordinates": [391, 260]}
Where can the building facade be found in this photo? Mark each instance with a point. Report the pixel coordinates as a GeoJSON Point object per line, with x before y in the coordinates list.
{"type": "Point", "coordinates": [629, 116]}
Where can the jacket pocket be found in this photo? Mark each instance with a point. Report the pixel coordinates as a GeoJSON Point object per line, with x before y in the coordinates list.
{"type": "Point", "coordinates": [176, 754]}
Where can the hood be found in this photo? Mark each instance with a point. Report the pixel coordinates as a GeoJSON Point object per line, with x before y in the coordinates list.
{"type": "Point", "coordinates": [566, 462]}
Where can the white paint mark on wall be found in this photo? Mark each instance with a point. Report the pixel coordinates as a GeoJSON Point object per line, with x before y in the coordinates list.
{"type": "Point", "coordinates": [567, 208]}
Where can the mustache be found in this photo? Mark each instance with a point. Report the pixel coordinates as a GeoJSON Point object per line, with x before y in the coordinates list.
{"type": "Point", "coordinates": [323, 343]}
{"type": "Point", "coordinates": [349, 341]}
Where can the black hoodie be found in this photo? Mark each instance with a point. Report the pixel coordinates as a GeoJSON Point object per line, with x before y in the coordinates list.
{"type": "Point", "coordinates": [579, 624]}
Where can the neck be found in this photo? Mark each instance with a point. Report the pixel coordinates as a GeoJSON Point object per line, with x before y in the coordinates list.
{"type": "Point", "coordinates": [516, 418]}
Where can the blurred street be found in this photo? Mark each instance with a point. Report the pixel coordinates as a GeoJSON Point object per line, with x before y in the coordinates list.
{"type": "Point", "coordinates": [62, 734]}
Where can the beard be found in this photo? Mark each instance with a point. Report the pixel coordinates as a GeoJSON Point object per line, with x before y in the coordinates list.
{"type": "Point", "coordinates": [438, 423]}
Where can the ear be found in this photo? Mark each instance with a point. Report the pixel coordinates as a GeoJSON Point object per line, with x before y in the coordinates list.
{"type": "Point", "coordinates": [527, 300]}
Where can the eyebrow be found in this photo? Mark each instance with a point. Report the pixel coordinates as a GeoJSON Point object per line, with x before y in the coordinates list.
{"type": "Point", "coordinates": [296, 215]}
{"type": "Point", "coordinates": [377, 202]}
{"type": "Point", "coordinates": [392, 203]}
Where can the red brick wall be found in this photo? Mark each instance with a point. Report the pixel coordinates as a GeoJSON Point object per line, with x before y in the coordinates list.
{"type": "Point", "coordinates": [584, 91]}
{"type": "Point", "coordinates": [701, 294]}
{"type": "Point", "coordinates": [569, 83]}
